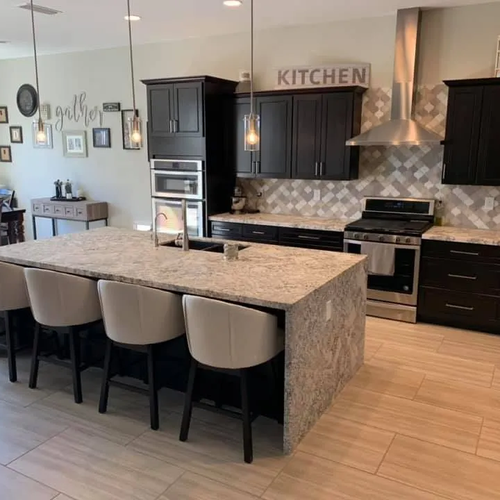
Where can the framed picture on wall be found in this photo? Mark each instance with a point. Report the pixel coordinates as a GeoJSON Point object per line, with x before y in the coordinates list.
{"type": "Point", "coordinates": [5, 154]}
{"type": "Point", "coordinates": [47, 143]}
{"type": "Point", "coordinates": [101, 137]}
{"type": "Point", "coordinates": [75, 143]}
{"type": "Point", "coordinates": [4, 114]}
{"type": "Point", "coordinates": [127, 116]}
{"type": "Point", "coordinates": [16, 135]}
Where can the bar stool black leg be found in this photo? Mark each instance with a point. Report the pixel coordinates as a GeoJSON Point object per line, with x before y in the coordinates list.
{"type": "Point", "coordinates": [153, 389]}
{"type": "Point", "coordinates": [188, 401]}
{"type": "Point", "coordinates": [247, 423]}
{"type": "Point", "coordinates": [106, 375]}
{"type": "Point", "coordinates": [34, 357]}
{"type": "Point", "coordinates": [74, 350]}
{"type": "Point", "coordinates": [11, 352]}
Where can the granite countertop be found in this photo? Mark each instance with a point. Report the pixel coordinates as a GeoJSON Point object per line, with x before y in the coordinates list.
{"type": "Point", "coordinates": [265, 275]}
{"type": "Point", "coordinates": [463, 235]}
{"type": "Point", "coordinates": [294, 221]}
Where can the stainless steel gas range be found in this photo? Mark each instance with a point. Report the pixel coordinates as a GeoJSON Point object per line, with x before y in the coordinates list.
{"type": "Point", "coordinates": [390, 234]}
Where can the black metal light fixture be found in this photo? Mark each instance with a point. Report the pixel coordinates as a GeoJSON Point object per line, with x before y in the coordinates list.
{"type": "Point", "coordinates": [134, 123]}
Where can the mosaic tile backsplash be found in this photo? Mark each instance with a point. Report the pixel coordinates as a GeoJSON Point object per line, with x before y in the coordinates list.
{"type": "Point", "coordinates": [413, 172]}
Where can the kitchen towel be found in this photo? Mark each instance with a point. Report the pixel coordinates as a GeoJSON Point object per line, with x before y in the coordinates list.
{"type": "Point", "coordinates": [380, 258]}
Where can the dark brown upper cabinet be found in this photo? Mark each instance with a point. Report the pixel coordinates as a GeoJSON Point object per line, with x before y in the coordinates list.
{"type": "Point", "coordinates": [303, 134]}
{"type": "Point", "coordinates": [472, 147]}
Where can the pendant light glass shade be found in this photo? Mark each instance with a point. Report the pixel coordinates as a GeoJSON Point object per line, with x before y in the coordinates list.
{"type": "Point", "coordinates": [41, 134]}
{"type": "Point", "coordinates": [252, 132]}
{"type": "Point", "coordinates": [135, 131]}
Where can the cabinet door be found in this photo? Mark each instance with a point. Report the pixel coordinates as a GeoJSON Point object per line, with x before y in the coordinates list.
{"type": "Point", "coordinates": [306, 136]}
{"type": "Point", "coordinates": [274, 158]}
{"type": "Point", "coordinates": [188, 109]}
{"type": "Point", "coordinates": [244, 159]}
{"type": "Point", "coordinates": [462, 135]}
{"type": "Point", "coordinates": [160, 110]}
{"type": "Point", "coordinates": [336, 130]}
{"type": "Point", "coordinates": [488, 165]}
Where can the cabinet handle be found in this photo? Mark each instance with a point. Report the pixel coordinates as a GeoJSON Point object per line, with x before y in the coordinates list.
{"type": "Point", "coordinates": [303, 237]}
{"type": "Point", "coordinates": [462, 277]}
{"type": "Point", "coordinates": [222, 229]}
{"type": "Point", "coordinates": [258, 232]}
{"type": "Point", "coordinates": [316, 168]}
{"type": "Point", "coordinates": [464, 308]}
{"type": "Point", "coordinates": [170, 127]}
{"type": "Point", "coordinates": [176, 126]}
{"type": "Point", "coordinates": [321, 168]}
{"type": "Point", "coordinates": [461, 252]}
{"type": "Point", "coordinates": [444, 172]}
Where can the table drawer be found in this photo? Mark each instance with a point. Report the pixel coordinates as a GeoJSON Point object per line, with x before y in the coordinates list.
{"type": "Point", "coordinates": [69, 211]}
{"type": "Point", "coordinates": [58, 210]}
{"type": "Point", "coordinates": [264, 234]}
{"type": "Point", "coordinates": [461, 251]}
{"type": "Point", "coordinates": [227, 230]}
{"type": "Point", "coordinates": [457, 275]}
{"type": "Point", "coordinates": [37, 209]}
{"type": "Point", "coordinates": [81, 213]}
{"type": "Point", "coordinates": [48, 209]}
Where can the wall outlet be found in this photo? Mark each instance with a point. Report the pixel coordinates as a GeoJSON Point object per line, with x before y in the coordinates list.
{"type": "Point", "coordinates": [489, 203]}
{"type": "Point", "coordinates": [329, 310]}
{"type": "Point", "coordinates": [316, 195]}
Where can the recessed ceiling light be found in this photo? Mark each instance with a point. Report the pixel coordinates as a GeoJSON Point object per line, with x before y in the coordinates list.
{"type": "Point", "coordinates": [132, 18]}
{"type": "Point", "coordinates": [232, 3]}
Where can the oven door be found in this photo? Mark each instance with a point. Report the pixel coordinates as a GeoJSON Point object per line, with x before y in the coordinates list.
{"type": "Point", "coordinates": [400, 288]}
{"type": "Point", "coordinates": [173, 210]}
{"type": "Point", "coordinates": [178, 184]}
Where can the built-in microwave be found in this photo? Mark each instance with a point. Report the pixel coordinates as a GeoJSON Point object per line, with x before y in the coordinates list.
{"type": "Point", "coordinates": [173, 211]}
{"type": "Point", "coordinates": [177, 179]}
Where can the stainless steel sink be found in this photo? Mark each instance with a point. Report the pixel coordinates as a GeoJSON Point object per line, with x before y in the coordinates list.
{"type": "Point", "coordinates": [203, 246]}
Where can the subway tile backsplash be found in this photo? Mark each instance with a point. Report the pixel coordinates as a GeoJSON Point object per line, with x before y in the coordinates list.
{"type": "Point", "coordinates": [395, 171]}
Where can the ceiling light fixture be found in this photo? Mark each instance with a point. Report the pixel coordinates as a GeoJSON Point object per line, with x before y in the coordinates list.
{"type": "Point", "coordinates": [232, 3]}
{"type": "Point", "coordinates": [41, 136]}
{"type": "Point", "coordinates": [132, 18]}
{"type": "Point", "coordinates": [252, 121]}
{"type": "Point", "coordinates": [134, 123]}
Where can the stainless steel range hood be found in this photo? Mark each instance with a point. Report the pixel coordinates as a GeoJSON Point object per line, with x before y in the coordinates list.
{"type": "Point", "coordinates": [402, 129]}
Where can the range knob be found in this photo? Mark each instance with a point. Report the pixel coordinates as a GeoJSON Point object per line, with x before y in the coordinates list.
{"type": "Point", "coordinates": [398, 239]}
{"type": "Point", "coordinates": [365, 237]}
{"type": "Point", "coordinates": [356, 236]}
{"type": "Point", "coordinates": [407, 240]}
{"type": "Point", "coordinates": [381, 238]}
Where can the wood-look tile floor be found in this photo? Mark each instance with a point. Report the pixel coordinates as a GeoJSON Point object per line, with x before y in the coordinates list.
{"type": "Point", "coordinates": [421, 420]}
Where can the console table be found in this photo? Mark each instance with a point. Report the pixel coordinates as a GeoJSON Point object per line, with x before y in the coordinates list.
{"type": "Point", "coordinates": [80, 211]}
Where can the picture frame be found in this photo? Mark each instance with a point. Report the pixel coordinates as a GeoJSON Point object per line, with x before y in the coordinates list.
{"type": "Point", "coordinates": [16, 134]}
{"type": "Point", "coordinates": [111, 107]}
{"type": "Point", "coordinates": [75, 143]}
{"type": "Point", "coordinates": [5, 154]}
{"type": "Point", "coordinates": [48, 143]}
{"type": "Point", "coordinates": [101, 137]}
{"type": "Point", "coordinates": [128, 114]}
{"type": "Point", "coordinates": [4, 114]}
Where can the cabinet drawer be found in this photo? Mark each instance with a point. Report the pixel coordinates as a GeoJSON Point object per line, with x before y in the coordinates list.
{"type": "Point", "coordinates": [69, 211]}
{"type": "Point", "coordinates": [48, 209]}
{"type": "Point", "coordinates": [58, 210]}
{"type": "Point", "coordinates": [457, 275]}
{"type": "Point", "coordinates": [461, 251]}
{"type": "Point", "coordinates": [36, 208]}
{"type": "Point", "coordinates": [459, 309]}
{"type": "Point", "coordinates": [264, 234]}
{"type": "Point", "coordinates": [227, 230]}
{"type": "Point", "coordinates": [307, 238]}
{"type": "Point", "coordinates": [81, 213]}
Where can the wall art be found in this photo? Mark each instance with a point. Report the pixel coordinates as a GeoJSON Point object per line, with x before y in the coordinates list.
{"type": "Point", "coordinates": [78, 111]}
{"type": "Point", "coordinates": [4, 114]}
{"type": "Point", "coordinates": [5, 154]}
{"type": "Point", "coordinates": [111, 107]}
{"type": "Point", "coordinates": [75, 143]}
{"type": "Point", "coordinates": [47, 143]}
{"type": "Point", "coordinates": [101, 137]}
{"type": "Point", "coordinates": [16, 135]}
{"type": "Point", "coordinates": [27, 100]}
{"type": "Point", "coordinates": [45, 112]}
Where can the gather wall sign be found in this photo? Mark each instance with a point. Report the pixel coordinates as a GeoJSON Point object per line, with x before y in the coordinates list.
{"type": "Point", "coordinates": [78, 111]}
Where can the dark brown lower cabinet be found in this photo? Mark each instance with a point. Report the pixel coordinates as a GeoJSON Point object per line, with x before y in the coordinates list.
{"type": "Point", "coordinates": [460, 285]}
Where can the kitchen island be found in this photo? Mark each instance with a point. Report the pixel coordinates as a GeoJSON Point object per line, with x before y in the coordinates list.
{"type": "Point", "coordinates": [322, 296]}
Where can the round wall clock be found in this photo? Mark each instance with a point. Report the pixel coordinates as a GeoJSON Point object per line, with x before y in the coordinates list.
{"type": "Point", "coordinates": [27, 100]}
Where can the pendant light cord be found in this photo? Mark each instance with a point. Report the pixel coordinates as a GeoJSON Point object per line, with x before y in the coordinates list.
{"type": "Point", "coordinates": [131, 57]}
{"type": "Point", "coordinates": [36, 59]}
{"type": "Point", "coordinates": [251, 59]}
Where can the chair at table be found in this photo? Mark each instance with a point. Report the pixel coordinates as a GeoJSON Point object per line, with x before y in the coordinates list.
{"type": "Point", "coordinates": [140, 319]}
{"type": "Point", "coordinates": [13, 298]}
{"type": "Point", "coordinates": [67, 305]}
{"type": "Point", "coordinates": [228, 337]}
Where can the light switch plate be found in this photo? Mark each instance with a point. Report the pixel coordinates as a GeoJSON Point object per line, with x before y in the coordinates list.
{"type": "Point", "coordinates": [317, 195]}
{"type": "Point", "coordinates": [489, 203]}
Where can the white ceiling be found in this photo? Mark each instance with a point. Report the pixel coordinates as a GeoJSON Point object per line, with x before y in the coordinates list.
{"type": "Point", "coordinates": [95, 24]}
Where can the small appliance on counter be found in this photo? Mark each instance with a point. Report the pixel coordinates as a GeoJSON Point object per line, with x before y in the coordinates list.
{"type": "Point", "coordinates": [238, 201]}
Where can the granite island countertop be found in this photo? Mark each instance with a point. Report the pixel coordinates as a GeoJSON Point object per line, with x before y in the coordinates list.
{"type": "Point", "coordinates": [265, 275]}
{"type": "Point", "coordinates": [294, 221]}
{"type": "Point", "coordinates": [463, 235]}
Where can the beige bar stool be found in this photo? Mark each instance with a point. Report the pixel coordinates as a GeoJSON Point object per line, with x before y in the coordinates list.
{"type": "Point", "coordinates": [65, 304]}
{"type": "Point", "coordinates": [13, 297]}
{"type": "Point", "coordinates": [232, 337]}
{"type": "Point", "coordinates": [140, 319]}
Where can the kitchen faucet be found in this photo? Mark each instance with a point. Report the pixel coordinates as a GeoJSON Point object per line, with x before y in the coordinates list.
{"type": "Point", "coordinates": [184, 236]}
{"type": "Point", "coordinates": [156, 228]}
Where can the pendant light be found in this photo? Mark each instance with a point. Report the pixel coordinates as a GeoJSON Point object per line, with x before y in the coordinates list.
{"type": "Point", "coordinates": [252, 121]}
{"type": "Point", "coordinates": [41, 135]}
{"type": "Point", "coordinates": [134, 123]}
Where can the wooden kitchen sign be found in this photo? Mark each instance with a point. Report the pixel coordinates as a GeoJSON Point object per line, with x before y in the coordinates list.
{"type": "Point", "coordinates": [335, 75]}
